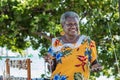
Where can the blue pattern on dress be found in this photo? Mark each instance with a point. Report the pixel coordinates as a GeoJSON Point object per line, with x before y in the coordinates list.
{"type": "Point", "coordinates": [88, 52]}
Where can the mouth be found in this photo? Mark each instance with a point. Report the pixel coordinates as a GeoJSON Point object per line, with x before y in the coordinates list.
{"type": "Point", "coordinates": [73, 30]}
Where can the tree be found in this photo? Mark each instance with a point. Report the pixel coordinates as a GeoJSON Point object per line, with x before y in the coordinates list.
{"type": "Point", "coordinates": [33, 23]}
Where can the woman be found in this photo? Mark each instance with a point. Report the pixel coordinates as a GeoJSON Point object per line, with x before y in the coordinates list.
{"type": "Point", "coordinates": [72, 54]}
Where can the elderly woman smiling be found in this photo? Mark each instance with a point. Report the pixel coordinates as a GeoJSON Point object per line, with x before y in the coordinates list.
{"type": "Point", "coordinates": [72, 55]}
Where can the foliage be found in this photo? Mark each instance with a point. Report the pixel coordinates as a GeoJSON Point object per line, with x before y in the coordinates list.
{"type": "Point", "coordinates": [33, 23]}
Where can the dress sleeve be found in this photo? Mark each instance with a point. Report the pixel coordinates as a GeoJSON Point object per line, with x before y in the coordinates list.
{"type": "Point", "coordinates": [52, 59]}
{"type": "Point", "coordinates": [51, 50]}
{"type": "Point", "coordinates": [55, 47]}
{"type": "Point", "coordinates": [93, 51]}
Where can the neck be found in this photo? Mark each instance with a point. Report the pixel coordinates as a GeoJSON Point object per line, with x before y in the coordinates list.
{"type": "Point", "coordinates": [70, 39]}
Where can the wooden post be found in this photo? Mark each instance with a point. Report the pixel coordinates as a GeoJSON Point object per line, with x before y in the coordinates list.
{"type": "Point", "coordinates": [7, 68]}
{"type": "Point", "coordinates": [28, 63]}
{"type": "Point", "coordinates": [28, 69]}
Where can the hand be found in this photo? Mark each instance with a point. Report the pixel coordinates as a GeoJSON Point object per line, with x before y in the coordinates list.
{"type": "Point", "coordinates": [96, 67]}
{"type": "Point", "coordinates": [48, 59]}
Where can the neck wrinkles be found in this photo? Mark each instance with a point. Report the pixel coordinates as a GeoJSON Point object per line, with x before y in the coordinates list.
{"type": "Point", "coordinates": [70, 39]}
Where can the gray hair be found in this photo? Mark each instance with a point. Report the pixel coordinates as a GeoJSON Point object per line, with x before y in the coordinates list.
{"type": "Point", "coordinates": [68, 14]}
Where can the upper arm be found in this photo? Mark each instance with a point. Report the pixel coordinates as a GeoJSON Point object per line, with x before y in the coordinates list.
{"type": "Point", "coordinates": [93, 51]}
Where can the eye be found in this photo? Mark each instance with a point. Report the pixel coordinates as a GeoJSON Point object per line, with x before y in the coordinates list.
{"type": "Point", "coordinates": [75, 24]}
{"type": "Point", "coordinates": [70, 24]}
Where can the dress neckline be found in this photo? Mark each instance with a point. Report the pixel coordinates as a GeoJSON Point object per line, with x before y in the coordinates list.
{"type": "Point", "coordinates": [69, 42]}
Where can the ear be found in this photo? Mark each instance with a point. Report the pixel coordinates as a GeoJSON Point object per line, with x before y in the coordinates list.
{"type": "Point", "coordinates": [78, 30]}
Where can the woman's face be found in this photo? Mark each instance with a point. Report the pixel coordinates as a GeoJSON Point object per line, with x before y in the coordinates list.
{"type": "Point", "coordinates": [71, 26]}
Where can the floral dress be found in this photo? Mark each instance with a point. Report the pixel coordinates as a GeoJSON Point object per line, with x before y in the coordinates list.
{"type": "Point", "coordinates": [73, 59]}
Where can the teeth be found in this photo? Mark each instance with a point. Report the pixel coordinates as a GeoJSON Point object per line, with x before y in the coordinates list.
{"type": "Point", "coordinates": [73, 30]}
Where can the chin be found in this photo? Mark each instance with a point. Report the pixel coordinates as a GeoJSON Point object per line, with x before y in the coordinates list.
{"type": "Point", "coordinates": [74, 34]}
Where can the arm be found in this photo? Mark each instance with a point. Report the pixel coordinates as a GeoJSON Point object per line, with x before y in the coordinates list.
{"type": "Point", "coordinates": [95, 66]}
{"type": "Point", "coordinates": [52, 66]}
{"type": "Point", "coordinates": [51, 62]}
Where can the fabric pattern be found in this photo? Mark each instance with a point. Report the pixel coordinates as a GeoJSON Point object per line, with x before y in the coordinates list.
{"type": "Point", "coordinates": [73, 59]}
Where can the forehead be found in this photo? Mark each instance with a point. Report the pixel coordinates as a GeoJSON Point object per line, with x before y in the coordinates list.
{"type": "Point", "coordinates": [71, 20]}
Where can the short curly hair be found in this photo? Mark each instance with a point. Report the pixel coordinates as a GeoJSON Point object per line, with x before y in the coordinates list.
{"type": "Point", "coordinates": [67, 14]}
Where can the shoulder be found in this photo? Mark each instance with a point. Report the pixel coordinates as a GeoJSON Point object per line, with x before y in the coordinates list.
{"type": "Point", "coordinates": [84, 38]}
{"type": "Point", "coordinates": [56, 42]}
{"type": "Point", "coordinates": [87, 39]}
{"type": "Point", "coordinates": [56, 38]}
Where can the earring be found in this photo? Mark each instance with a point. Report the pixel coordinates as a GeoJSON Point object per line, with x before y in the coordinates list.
{"type": "Point", "coordinates": [62, 33]}
{"type": "Point", "coordinates": [78, 32]}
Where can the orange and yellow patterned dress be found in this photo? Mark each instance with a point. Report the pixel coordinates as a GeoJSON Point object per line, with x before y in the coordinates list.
{"type": "Point", "coordinates": [73, 59]}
